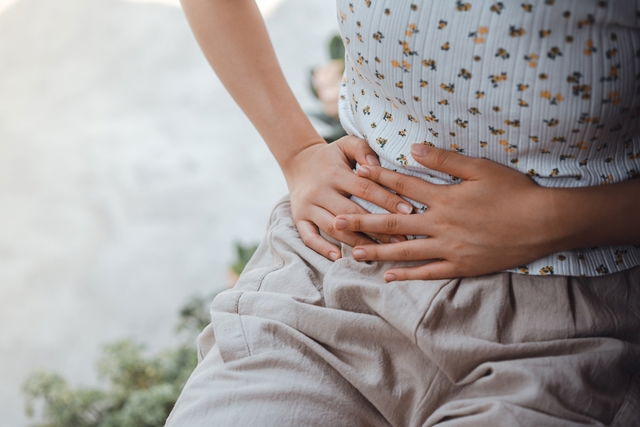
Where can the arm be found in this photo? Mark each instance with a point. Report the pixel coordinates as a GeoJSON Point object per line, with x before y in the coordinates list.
{"type": "Point", "coordinates": [497, 218]}
{"type": "Point", "coordinates": [603, 215]}
{"type": "Point", "coordinates": [234, 39]}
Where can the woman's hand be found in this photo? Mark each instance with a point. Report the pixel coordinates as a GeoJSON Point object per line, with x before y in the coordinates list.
{"type": "Point", "coordinates": [497, 218]}
{"type": "Point", "coordinates": [321, 179]}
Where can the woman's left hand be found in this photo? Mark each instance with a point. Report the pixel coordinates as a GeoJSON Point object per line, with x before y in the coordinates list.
{"type": "Point", "coordinates": [496, 218]}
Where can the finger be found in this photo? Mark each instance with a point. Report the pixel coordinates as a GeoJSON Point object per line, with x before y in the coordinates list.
{"type": "Point", "coordinates": [359, 150]}
{"type": "Point", "coordinates": [384, 223]}
{"type": "Point", "coordinates": [325, 219]}
{"type": "Point", "coordinates": [339, 204]}
{"type": "Point", "coordinates": [431, 271]}
{"type": "Point", "coordinates": [312, 238]}
{"type": "Point", "coordinates": [409, 186]}
{"type": "Point", "coordinates": [446, 161]}
{"type": "Point", "coordinates": [411, 250]}
{"type": "Point", "coordinates": [369, 190]}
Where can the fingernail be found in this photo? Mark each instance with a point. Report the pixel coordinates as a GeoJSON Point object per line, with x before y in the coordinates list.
{"type": "Point", "coordinates": [389, 277]}
{"type": "Point", "coordinates": [394, 239]}
{"type": "Point", "coordinates": [364, 171]}
{"type": "Point", "coordinates": [341, 223]}
{"type": "Point", "coordinates": [372, 160]}
{"type": "Point", "coordinates": [404, 208]}
{"type": "Point", "coordinates": [333, 255]}
{"type": "Point", "coordinates": [419, 150]}
{"type": "Point", "coordinates": [359, 253]}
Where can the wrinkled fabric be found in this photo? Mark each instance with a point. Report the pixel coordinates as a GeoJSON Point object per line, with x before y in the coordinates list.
{"type": "Point", "coordinates": [301, 340]}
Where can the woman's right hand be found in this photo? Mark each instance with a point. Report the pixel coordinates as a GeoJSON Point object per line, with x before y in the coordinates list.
{"type": "Point", "coordinates": [321, 180]}
{"type": "Point", "coordinates": [320, 175]}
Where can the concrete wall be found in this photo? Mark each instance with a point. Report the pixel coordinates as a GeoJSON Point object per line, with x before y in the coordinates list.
{"type": "Point", "coordinates": [126, 172]}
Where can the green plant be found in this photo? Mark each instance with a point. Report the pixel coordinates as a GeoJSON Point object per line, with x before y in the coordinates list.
{"type": "Point", "coordinates": [336, 47]}
{"type": "Point", "coordinates": [243, 255]}
{"type": "Point", "coordinates": [139, 389]}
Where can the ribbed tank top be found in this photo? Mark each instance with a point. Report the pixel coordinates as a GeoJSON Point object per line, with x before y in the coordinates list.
{"type": "Point", "coordinates": [549, 87]}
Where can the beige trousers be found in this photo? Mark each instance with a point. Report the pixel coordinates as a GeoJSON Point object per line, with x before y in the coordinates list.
{"type": "Point", "coordinates": [303, 341]}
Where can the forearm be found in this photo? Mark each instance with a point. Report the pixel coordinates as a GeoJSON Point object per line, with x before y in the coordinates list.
{"type": "Point", "coordinates": [605, 215]}
{"type": "Point", "coordinates": [234, 39]}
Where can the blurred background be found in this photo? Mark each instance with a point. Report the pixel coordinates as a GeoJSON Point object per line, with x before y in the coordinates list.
{"type": "Point", "coordinates": [127, 175]}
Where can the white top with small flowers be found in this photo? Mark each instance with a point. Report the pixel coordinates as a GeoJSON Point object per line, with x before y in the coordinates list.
{"type": "Point", "coordinates": [545, 87]}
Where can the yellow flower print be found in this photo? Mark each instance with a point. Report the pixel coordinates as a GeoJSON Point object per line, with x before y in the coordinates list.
{"type": "Point", "coordinates": [431, 117]}
{"type": "Point", "coordinates": [479, 35]}
{"type": "Point", "coordinates": [447, 87]}
{"type": "Point", "coordinates": [497, 7]}
{"type": "Point", "coordinates": [429, 63]}
{"type": "Point", "coordinates": [544, 33]}
{"type": "Point", "coordinates": [516, 31]}
{"type": "Point", "coordinates": [462, 123]}
{"type": "Point", "coordinates": [502, 53]}
{"type": "Point", "coordinates": [532, 59]}
{"type": "Point", "coordinates": [589, 48]}
{"type": "Point", "coordinates": [403, 65]}
{"type": "Point", "coordinates": [586, 22]}
{"type": "Point", "coordinates": [465, 74]}
{"type": "Point", "coordinates": [462, 6]}
{"type": "Point", "coordinates": [497, 78]}
{"type": "Point", "coordinates": [554, 52]}
{"type": "Point", "coordinates": [495, 131]}
{"type": "Point", "coordinates": [546, 270]}
{"type": "Point", "coordinates": [411, 30]}
{"type": "Point", "coordinates": [406, 49]}
{"type": "Point", "coordinates": [457, 148]}
{"type": "Point", "coordinates": [508, 148]}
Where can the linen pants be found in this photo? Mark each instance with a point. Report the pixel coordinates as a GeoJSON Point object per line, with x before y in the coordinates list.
{"type": "Point", "coordinates": [304, 341]}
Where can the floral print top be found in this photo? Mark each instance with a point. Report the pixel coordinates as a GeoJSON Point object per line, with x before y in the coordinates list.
{"type": "Point", "coordinates": [548, 87]}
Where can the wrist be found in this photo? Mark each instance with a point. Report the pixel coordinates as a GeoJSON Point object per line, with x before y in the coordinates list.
{"type": "Point", "coordinates": [574, 216]}
{"type": "Point", "coordinates": [291, 162]}
{"type": "Point", "coordinates": [554, 219]}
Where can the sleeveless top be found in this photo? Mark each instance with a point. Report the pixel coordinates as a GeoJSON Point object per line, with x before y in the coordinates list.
{"type": "Point", "coordinates": [550, 88]}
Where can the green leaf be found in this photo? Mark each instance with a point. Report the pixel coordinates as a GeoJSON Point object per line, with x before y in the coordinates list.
{"type": "Point", "coordinates": [336, 47]}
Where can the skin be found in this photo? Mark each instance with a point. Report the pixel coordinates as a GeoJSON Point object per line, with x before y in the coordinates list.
{"type": "Point", "coordinates": [472, 225]}
{"type": "Point", "coordinates": [319, 175]}
{"type": "Point", "coordinates": [493, 219]}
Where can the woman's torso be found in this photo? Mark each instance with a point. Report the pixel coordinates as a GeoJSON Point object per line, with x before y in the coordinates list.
{"type": "Point", "coordinates": [549, 88]}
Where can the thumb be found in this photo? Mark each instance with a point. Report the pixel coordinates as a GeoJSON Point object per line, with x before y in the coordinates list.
{"type": "Point", "coordinates": [446, 161]}
{"type": "Point", "coordinates": [358, 149]}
